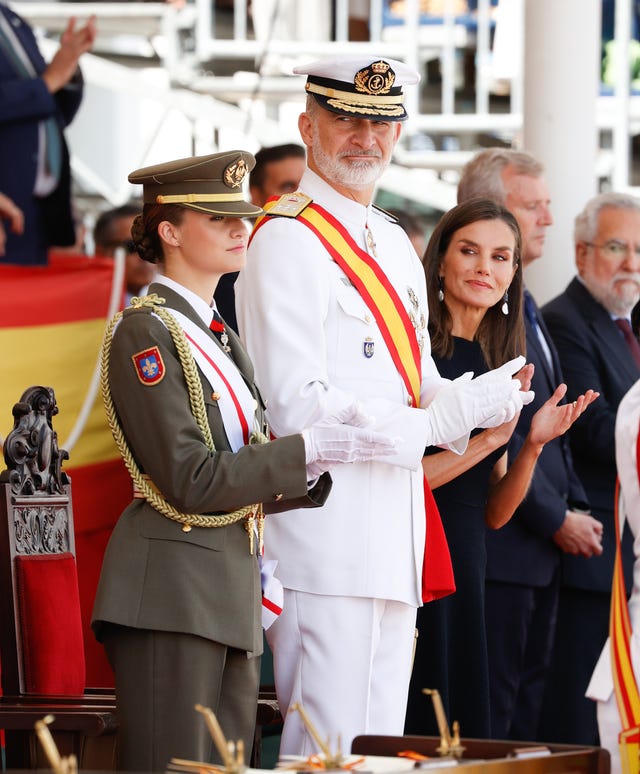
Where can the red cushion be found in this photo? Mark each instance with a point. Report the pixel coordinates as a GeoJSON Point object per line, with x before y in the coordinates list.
{"type": "Point", "coordinates": [51, 629]}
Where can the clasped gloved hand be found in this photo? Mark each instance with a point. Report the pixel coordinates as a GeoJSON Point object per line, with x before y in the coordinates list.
{"type": "Point", "coordinates": [343, 437]}
{"type": "Point", "coordinates": [487, 401]}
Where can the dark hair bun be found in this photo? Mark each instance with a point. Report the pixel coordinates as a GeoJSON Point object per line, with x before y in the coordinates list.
{"type": "Point", "coordinates": [143, 244]}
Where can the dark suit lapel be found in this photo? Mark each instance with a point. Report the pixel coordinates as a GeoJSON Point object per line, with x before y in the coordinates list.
{"type": "Point", "coordinates": [604, 330]}
{"type": "Point", "coordinates": [536, 354]}
{"type": "Point", "coordinates": [556, 374]}
{"type": "Point", "coordinates": [24, 36]}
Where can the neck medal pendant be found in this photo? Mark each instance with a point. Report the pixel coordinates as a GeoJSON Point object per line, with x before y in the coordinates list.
{"type": "Point", "coordinates": [371, 244]}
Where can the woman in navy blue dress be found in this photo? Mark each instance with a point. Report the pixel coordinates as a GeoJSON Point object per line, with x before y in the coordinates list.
{"type": "Point", "coordinates": [474, 280]}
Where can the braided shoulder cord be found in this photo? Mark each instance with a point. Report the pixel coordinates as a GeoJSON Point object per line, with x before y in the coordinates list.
{"type": "Point", "coordinates": [196, 399]}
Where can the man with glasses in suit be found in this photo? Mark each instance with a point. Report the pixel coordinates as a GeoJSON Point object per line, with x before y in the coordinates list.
{"type": "Point", "coordinates": [589, 323]}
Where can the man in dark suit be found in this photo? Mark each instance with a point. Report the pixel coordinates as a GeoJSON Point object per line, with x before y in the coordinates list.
{"type": "Point", "coordinates": [523, 557]}
{"type": "Point", "coordinates": [588, 322]}
{"type": "Point", "coordinates": [36, 102]}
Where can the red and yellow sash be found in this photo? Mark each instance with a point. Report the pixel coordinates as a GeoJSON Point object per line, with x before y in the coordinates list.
{"type": "Point", "coordinates": [399, 335]}
{"type": "Point", "coordinates": [624, 679]}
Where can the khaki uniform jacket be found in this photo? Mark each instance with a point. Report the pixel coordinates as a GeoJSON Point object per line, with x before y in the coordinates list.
{"type": "Point", "coordinates": [155, 575]}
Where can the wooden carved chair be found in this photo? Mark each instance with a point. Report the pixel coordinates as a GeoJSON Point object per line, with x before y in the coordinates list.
{"type": "Point", "coordinates": [41, 643]}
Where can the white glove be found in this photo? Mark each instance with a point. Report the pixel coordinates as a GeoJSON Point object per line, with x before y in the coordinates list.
{"type": "Point", "coordinates": [341, 438]}
{"type": "Point", "coordinates": [465, 403]}
{"type": "Point", "coordinates": [518, 397]}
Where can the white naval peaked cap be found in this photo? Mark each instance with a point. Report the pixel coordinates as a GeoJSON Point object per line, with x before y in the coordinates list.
{"type": "Point", "coordinates": [362, 86]}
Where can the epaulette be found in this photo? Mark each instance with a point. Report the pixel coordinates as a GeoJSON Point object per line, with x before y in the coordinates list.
{"type": "Point", "coordinates": [143, 304]}
{"type": "Point", "coordinates": [290, 205]}
{"type": "Point", "coordinates": [386, 215]}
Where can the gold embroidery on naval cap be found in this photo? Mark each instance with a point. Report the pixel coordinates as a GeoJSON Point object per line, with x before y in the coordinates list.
{"type": "Point", "coordinates": [378, 78]}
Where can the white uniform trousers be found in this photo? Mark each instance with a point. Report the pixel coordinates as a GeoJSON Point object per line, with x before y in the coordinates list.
{"type": "Point", "coordinates": [609, 726]}
{"type": "Point", "coordinates": [348, 661]}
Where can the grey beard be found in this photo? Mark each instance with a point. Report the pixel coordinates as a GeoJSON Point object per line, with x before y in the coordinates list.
{"type": "Point", "coordinates": [620, 305]}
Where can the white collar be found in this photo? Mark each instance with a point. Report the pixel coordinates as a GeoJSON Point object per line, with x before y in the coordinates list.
{"type": "Point", "coordinates": [200, 306]}
{"type": "Point", "coordinates": [318, 188]}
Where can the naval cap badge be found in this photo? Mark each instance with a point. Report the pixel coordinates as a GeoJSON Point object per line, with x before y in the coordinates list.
{"type": "Point", "coordinates": [377, 78]}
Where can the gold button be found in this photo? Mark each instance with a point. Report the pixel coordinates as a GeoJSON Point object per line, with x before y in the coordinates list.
{"type": "Point", "coordinates": [409, 401]}
{"type": "Point", "coordinates": [278, 497]}
{"type": "Point", "coordinates": [215, 396]}
{"type": "Point", "coordinates": [186, 528]}
{"type": "Point", "coordinates": [367, 318]}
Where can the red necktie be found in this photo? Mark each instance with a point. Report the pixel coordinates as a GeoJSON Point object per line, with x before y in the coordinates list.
{"type": "Point", "coordinates": [216, 326]}
{"type": "Point", "coordinates": [632, 341]}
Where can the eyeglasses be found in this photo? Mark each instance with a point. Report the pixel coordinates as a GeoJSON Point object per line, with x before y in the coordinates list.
{"type": "Point", "coordinates": [615, 249]}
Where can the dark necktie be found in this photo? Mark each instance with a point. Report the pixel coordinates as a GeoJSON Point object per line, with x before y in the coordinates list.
{"type": "Point", "coordinates": [631, 340]}
{"type": "Point", "coordinates": [219, 331]}
{"type": "Point", "coordinates": [532, 316]}
{"type": "Point", "coordinates": [530, 310]}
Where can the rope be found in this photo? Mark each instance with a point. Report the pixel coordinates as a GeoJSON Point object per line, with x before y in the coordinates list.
{"type": "Point", "coordinates": [115, 299]}
{"type": "Point", "coordinates": [196, 400]}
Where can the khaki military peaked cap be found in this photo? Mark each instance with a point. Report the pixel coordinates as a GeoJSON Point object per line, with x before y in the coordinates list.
{"type": "Point", "coordinates": [210, 183]}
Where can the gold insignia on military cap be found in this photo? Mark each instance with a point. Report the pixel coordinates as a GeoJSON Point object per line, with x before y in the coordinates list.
{"type": "Point", "coordinates": [376, 79]}
{"type": "Point", "coordinates": [235, 173]}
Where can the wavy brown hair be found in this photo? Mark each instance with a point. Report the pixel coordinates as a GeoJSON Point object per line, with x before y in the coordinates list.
{"type": "Point", "coordinates": [501, 337]}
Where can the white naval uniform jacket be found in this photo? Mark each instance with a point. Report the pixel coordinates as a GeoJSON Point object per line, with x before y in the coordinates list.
{"type": "Point", "coordinates": [306, 329]}
{"type": "Point", "coordinates": [626, 434]}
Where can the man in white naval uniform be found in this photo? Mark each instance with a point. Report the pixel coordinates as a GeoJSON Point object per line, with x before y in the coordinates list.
{"type": "Point", "coordinates": [352, 572]}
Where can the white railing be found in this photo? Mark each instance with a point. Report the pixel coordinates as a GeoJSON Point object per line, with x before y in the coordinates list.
{"type": "Point", "coordinates": [261, 101]}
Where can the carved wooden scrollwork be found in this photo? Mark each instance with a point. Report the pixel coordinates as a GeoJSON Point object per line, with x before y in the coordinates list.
{"type": "Point", "coordinates": [31, 453]}
{"type": "Point", "coordinates": [41, 529]}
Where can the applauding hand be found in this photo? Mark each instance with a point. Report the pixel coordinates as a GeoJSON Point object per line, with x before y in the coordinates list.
{"type": "Point", "coordinates": [552, 420]}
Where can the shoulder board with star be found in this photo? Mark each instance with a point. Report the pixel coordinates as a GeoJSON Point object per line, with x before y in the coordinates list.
{"type": "Point", "coordinates": [386, 215]}
{"type": "Point", "coordinates": [290, 205]}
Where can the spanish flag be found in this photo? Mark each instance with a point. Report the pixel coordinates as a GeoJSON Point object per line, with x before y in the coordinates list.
{"type": "Point", "coordinates": [52, 320]}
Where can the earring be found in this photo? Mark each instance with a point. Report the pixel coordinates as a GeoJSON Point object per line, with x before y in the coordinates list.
{"type": "Point", "coordinates": [440, 290]}
{"type": "Point", "coordinates": [505, 303]}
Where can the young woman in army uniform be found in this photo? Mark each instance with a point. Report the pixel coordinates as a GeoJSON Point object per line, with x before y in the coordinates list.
{"type": "Point", "coordinates": [179, 599]}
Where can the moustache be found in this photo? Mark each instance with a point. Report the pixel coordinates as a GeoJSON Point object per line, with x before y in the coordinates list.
{"type": "Point", "coordinates": [368, 154]}
{"type": "Point", "coordinates": [627, 276]}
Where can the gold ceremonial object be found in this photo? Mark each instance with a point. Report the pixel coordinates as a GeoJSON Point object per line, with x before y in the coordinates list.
{"type": "Point", "coordinates": [449, 745]}
{"type": "Point", "coordinates": [326, 760]}
{"type": "Point", "coordinates": [59, 764]}
{"type": "Point", "coordinates": [324, 746]}
{"type": "Point", "coordinates": [232, 753]}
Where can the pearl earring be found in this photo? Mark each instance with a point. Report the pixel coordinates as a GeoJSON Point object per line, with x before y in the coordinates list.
{"type": "Point", "coordinates": [505, 303]}
{"type": "Point", "coordinates": [440, 290]}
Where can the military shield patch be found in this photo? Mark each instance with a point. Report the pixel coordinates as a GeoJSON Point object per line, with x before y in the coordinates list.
{"type": "Point", "coordinates": [149, 366]}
